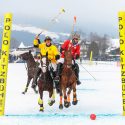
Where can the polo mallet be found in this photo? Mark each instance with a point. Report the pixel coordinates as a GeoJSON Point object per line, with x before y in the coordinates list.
{"type": "Point", "coordinates": [53, 20]}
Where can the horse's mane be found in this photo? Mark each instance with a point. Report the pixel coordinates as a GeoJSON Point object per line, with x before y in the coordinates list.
{"type": "Point", "coordinates": [31, 56]}
{"type": "Point", "coordinates": [29, 59]}
{"type": "Point", "coordinates": [67, 66]}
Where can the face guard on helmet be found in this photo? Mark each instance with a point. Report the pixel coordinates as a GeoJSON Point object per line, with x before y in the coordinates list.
{"type": "Point", "coordinates": [75, 36]}
{"type": "Point", "coordinates": [47, 38]}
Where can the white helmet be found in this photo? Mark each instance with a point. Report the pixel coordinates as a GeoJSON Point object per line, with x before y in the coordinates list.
{"type": "Point", "coordinates": [75, 36]}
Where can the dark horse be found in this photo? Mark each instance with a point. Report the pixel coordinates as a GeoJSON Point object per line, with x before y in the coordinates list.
{"type": "Point", "coordinates": [67, 81]}
{"type": "Point", "coordinates": [32, 66]}
{"type": "Point", "coordinates": [45, 83]}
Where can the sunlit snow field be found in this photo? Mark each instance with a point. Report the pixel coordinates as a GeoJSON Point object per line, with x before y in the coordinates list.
{"type": "Point", "coordinates": [102, 97]}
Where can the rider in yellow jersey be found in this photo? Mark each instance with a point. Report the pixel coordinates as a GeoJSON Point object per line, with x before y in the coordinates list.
{"type": "Point", "coordinates": [51, 50]}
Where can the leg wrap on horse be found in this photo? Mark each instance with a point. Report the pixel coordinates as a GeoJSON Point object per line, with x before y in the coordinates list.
{"type": "Point", "coordinates": [40, 101]}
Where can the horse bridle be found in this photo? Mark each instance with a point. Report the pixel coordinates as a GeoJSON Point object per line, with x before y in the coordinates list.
{"type": "Point", "coordinates": [68, 65]}
{"type": "Point", "coordinates": [44, 64]}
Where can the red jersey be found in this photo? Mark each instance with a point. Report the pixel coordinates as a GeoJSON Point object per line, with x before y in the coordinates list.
{"type": "Point", "coordinates": [68, 44]}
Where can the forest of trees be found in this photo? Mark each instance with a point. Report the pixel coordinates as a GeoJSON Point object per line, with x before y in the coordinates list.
{"type": "Point", "coordinates": [97, 44]}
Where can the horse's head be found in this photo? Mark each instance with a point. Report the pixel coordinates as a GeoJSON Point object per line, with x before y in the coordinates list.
{"type": "Point", "coordinates": [68, 58]}
{"type": "Point", "coordinates": [44, 63]}
{"type": "Point", "coordinates": [25, 56]}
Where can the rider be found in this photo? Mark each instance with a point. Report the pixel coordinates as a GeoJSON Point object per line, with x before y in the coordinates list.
{"type": "Point", "coordinates": [75, 48]}
{"type": "Point", "coordinates": [52, 52]}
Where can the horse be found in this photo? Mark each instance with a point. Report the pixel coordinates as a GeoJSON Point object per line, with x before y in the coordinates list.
{"type": "Point", "coordinates": [68, 80]}
{"type": "Point", "coordinates": [45, 83]}
{"type": "Point", "coordinates": [32, 66]}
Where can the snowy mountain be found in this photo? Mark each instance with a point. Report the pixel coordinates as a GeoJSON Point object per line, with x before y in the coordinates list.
{"type": "Point", "coordinates": [27, 33]}
{"type": "Point", "coordinates": [33, 30]}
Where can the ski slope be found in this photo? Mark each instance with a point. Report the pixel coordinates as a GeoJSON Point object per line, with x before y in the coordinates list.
{"type": "Point", "coordinates": [102, 97]}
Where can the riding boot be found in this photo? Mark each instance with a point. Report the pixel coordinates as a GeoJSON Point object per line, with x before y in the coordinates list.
{"type": "Point", "coordinates": [56, 85]}
{"type": "Point", "coordinates": [54, 74]}
{"type": "Point", "coordinates": [78, 81]}
{"type": "Point", "coordinates": [76, 69]}
{"type": "Point", "coordinates": [58, 71]}
{"type": "Point", "coordinates": [57, 77]}
{"type": "Point", "coordinates": [37, 73]}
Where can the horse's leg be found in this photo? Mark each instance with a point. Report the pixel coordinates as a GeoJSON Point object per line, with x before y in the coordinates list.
{"type": "Point", "coordinates": [53, 96]}
{"type": "Point", "coordinates": [68, 96]}
{"type": "Point", "coordinates": [75, 101]}
{"type": "Point", "coordinates": [34, 83]}
{"type": "Point", "coordinates": [34, 88]}
{"type": "Point", "coordinates": [40, 101]}
{"type": "Point", "coordinates": [28, 82]}
{"type": "Point", "coordinates": [61, 96]}
{"type": "Point", "coordinates": [65, 98]}
{"type": "Point", "coordinates": [51, 100]}
{"type": "Point", "coordinates": [36, 75]}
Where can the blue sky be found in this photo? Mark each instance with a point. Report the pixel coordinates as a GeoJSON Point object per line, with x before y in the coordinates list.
{"type": "Point", "coordinates": [92, 15]}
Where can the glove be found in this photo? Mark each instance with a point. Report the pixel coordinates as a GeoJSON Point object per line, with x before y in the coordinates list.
{"type": "Point", "coordinates": [37, 37]}
{"type": "Point", "coordinates": [77, 56]}
{"type": "Point", "coordinates": [36, 42]}
{"type": "Point", "coordinates": [57, 57]}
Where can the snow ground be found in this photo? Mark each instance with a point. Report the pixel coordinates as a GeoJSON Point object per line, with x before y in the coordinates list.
{"type": "Point", "coordinates": [102, 97]}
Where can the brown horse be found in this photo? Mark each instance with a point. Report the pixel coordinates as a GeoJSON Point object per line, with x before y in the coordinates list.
{"type": "Point", "coordinates": [45, 83]}
{"type": "Point", "coordinates": [67, 81]}
{"type": "Point", "coordinates": [32, 66]}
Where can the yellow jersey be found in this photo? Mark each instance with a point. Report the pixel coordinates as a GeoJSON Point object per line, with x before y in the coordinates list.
{"type": "Point", "coordinates": [52, 50]}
